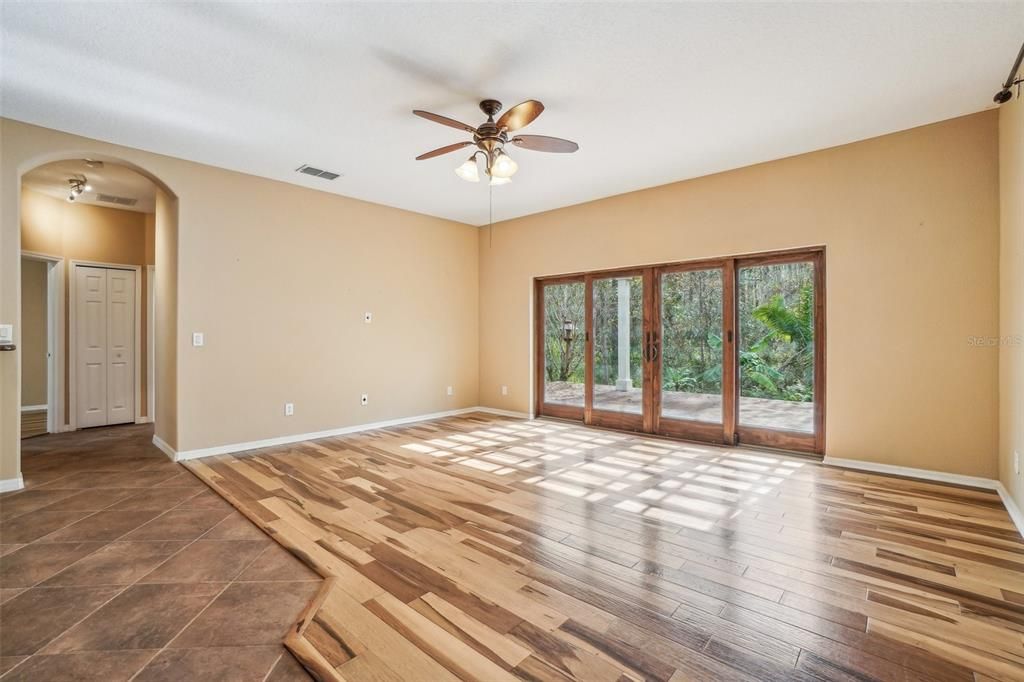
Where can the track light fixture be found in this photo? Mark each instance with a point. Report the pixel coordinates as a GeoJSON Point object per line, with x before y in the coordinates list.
{"type": "Point", "coordinates": [1005, 95]}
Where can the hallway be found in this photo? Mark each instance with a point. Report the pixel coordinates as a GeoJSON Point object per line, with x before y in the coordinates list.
{"type": "Point", "coordinates": [119, 564]}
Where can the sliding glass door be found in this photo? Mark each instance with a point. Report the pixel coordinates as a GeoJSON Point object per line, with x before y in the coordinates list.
{"type": "Point", "coordinates": [728, 350]}
{"type": "Point", "coordinates": [561, 340]}
{"type": "Point", "coordinates": [693, 364]}
{"type": "Point", "coordinates": [617, 388]}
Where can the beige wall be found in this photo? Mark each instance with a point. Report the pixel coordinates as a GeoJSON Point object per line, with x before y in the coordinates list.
{"type": "Point", "coordinates": [165, 235]}
{"type": "Point", "coordinates": [74, 231]}
{"type": "Point", "coordinates": [911, 226]}
{"type": "Point", "coordinates": [33, 332]}
{"type": "Point", "coordinates": [1011, 296]}
{"type": "Point", "coordinates": [278, 277]}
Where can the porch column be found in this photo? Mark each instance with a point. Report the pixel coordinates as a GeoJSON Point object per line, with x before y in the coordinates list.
{"type": "Point", "coordinates": [624, 382]}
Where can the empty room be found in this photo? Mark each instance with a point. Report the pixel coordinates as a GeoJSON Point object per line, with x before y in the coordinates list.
{"type": "Point", "coordinates": [425, 341]}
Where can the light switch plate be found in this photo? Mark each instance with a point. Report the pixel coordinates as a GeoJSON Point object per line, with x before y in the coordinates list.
{"type": "Point", "coordinates": [451, 391]}
{"type": "Point", "coordinates": [197, 339]}
{"type": "Point", "coordinates": [1016, 462]}
{"type": "Point", "coordinates": [504, 390]}
{"type": "Point", "coordinates": [289, 409]}
{"type": "Point", "coordinates": [6, 333]}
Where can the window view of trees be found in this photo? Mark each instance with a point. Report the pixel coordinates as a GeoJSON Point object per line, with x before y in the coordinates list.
{"type": "Point", "coordinates": [776, 314]}
{"type": "Point", "coordinates": [775, 344]}
{"type": "Point", "coordinates": [564, 343]}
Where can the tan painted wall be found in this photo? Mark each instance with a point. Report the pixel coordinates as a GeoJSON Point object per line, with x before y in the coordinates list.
{"type": "Point", "coordinates": [165, 231]}
{"type": "Point", "coordinates": [84, 232]}
{"type": "Point", "coordinates": [33, 335]}
{"type": "Point", "coordinates": [911, 226]}
{"type": "Point", "coordinates": [1011, 296]}
{"type": "Point", "coordinates": [278, 278]}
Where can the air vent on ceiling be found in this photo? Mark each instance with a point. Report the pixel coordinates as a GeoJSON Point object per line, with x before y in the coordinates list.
{"type": "Point", "coordinates": [111, 199]}
{"type": "Point", "coordinates": [318, 173]}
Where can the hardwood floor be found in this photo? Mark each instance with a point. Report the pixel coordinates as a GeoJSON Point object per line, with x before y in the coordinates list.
{"type": "Point", "coordinates": [118, 564]}
{"type": "Point", "coordinates": [488, 548]}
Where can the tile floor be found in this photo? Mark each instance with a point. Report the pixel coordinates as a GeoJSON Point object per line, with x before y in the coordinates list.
{"type": "Point", "coordinates": [118, 564]}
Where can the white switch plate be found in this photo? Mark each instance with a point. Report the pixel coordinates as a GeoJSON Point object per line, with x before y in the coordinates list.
{"type": "Point", "coordinates": [197, 339]}
{"type": "Point", "coordinates": [451, 391]}
{"type": "Point", "coordinates": [1016, 462]}
{"type": "Point", "coordinates": [504, 390]}
{"type": "Point", "coordinates": [6, 333]}
{"type": "Point", "coordinates": [289, 409]}
{"type": "Point", "coordinates": [365, 399]}
{"type": "Point", "coordinates": [367, 318]}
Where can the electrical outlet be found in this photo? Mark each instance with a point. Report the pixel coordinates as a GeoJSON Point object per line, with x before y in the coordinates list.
{"type": "Point", "coordinates": [198, 339]}
{"type": "Point", "coordinates": [451, 390]}
{"type": "Point", "coordinates": [1016, 462]}
{"type": "Point", "coordinates": [504, 390]}
{"type": "Point", "coordinates": [367, 318]}
{"type": "Point", "coordinates": [289, 409]}
{"type": "Point", "coordinates": [365, 399]}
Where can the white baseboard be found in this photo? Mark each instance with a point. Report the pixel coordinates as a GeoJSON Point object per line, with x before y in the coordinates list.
{"type": "Point", "coordinates": [8, 485]}
{"type": "Point", "coordinates": [1011, 506]}
{"type": "Point", "coordinates": [502, 413]}
{"type": "Point", "coordinates": [939, 477]}
{"type": "Point", "coordinates": [909, 472]}
{"type": "Point", "coordinates": [344, 430]}
{"type": "Point", "coordinates": [34, 408]}
{"type": "Point", "coordinates": [165, 448]}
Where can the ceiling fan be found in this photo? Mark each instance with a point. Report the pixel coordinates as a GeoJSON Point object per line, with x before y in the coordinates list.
{"type": "Point", "coordinates": [491, 137]}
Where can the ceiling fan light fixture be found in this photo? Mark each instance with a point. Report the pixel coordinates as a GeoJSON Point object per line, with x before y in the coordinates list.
{"type": "Point", "coordinates": [495, 181]}
{"type": "Point", "coordinates": [503, 166]}
{"type": "Point", "coordinates": [468, 171]}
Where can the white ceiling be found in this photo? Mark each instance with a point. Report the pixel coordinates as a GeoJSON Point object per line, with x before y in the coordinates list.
{"type": "Point", "coordinates": [653, 93]}
{"type": "Point", "coordinates": [108, 179]}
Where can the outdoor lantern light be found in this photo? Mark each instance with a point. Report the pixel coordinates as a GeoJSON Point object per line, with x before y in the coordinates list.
{"type": "Point", "coordinates": [568, 331]}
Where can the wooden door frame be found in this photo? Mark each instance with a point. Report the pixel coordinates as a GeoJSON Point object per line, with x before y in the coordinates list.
{"type": "Point", "coordinates": [622, 421]}
{"type": "Point", "coordinates": [55, 407]}
{"type": "Point", "coordinates": [729, 432]}
{"type": "Point", "coordinates": [721, 432]}
{"type": "Point", "coordinates": [72, 340]}
{"type": "Point", "coordinates": [542, 408]}
{"type": "Point", "coordinates": [777, 438]}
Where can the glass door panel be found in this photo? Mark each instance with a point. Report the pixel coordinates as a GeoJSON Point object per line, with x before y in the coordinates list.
{"type": "Point", "coordinates": [691, 345]}
{"type": "Point", "coordinates": [618, 355]}
{"type": "Point", "coordinates": [564, 346]}
{"type": "Point", "coordinates": [777, 346]}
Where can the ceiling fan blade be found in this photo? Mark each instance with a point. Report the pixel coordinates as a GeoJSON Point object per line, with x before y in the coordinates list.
{"type": "Point", "coordinates": [543, 143]}
{"type": "Point", "coordinates": [444, 120]}
{"type": "Point", "coordinates": [443, 150]}
{"type": "Point", "coordinates": [520, 116]}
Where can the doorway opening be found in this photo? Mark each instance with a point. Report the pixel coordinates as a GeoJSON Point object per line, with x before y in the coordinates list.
{"type": "Point", "coordinates": [92, 226]}
{"type": "Point", "coordinates": [728, 350]}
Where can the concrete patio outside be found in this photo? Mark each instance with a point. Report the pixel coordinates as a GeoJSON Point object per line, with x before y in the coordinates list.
{"type": "Point", "coordinates": [787, 415]}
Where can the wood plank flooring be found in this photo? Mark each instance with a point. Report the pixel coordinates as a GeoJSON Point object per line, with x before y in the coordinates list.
{"type": "Point", "coordinates": [487, 548]}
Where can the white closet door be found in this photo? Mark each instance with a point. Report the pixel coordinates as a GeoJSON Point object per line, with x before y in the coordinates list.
{"type": "Point", "coordinates": [120, 346]}
{"type": "Point", "coordinates": [91, 342]}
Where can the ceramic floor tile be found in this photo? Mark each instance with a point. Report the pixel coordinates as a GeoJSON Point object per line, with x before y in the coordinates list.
{"type": "Point", "coordinates": [105, 525]}
{"type": "Point", "coordinates": [277, 563]}
{"type": "Point", "coordinates": [119, 563]}
{"type": "Point", "coordinates": [214, 663]}
{"type": "Point", "coordinates": [29, 500]}
{"type": "Point", "coordinates": [288, 669]}
{"type": "Point", "coordinates": [109, 666]}
{"type": "Point", "coordinates": [159, 499]}
{"type": "Point", "coordinates": [37, 562]}
{"type": "Point", "coordinates": [90, 500]}
{"type": "Point", "coordinates": [235, 527]}
{"type": "Point", "coordinates": [248, 613]}
{"type": "Point", "coordinates": [208, 561]}
{"type": "Point", "coordinates": [29, 527]}
{"type": "Point", "coordinates": [141, 617]}
{"type": "Point", "coordinates": [36, 616]}
{"type": "Point", "coordinates": [186, 524]}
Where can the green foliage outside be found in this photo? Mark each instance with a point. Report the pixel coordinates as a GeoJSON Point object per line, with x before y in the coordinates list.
{"type": "Point", "coordinates": [776, 332]}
